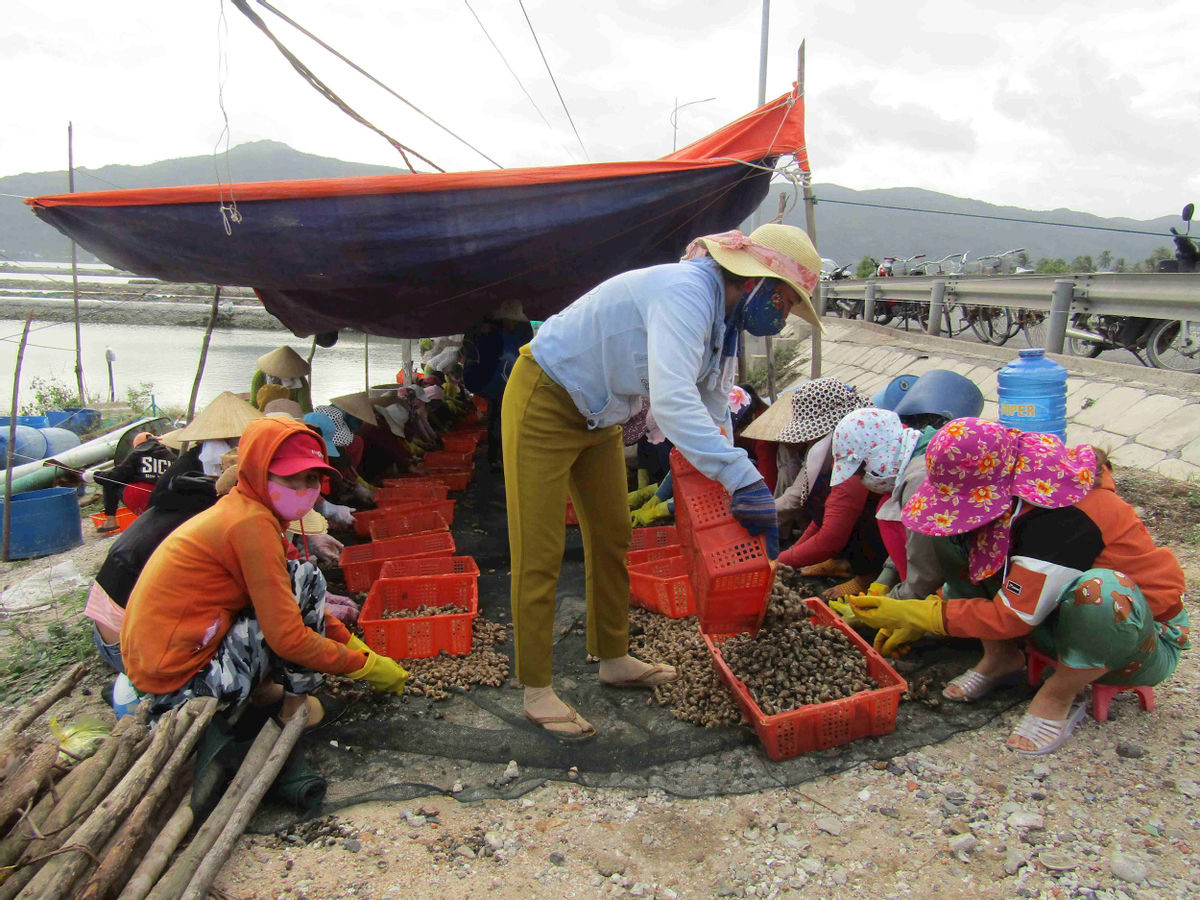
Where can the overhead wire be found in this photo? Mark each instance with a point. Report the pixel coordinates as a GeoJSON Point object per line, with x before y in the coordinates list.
{"type": "Point", "coordinates": [229, 211]}
{"type": "Point", "coordinates": [553, 81]}
{"type": "Point", "coordinates": [374, 80]}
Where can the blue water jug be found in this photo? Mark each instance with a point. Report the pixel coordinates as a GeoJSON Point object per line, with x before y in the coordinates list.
{"type": "Point", "coordinates": [1033, 394]}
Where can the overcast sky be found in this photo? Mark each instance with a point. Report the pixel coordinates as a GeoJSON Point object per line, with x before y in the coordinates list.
{"type": "Point", "coordinates": [1085, 104]}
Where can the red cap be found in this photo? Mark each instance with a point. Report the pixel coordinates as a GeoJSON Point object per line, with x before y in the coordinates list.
{"type": "Point", "coordinates": [300, 453]}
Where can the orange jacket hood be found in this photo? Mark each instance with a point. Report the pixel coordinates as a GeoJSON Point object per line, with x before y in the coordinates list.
{"type": "Point", "coordinates": [260, 441]}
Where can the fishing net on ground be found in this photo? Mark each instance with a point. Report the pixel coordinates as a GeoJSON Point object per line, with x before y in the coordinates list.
{"type": "Point", "coordinates": [395, 749]}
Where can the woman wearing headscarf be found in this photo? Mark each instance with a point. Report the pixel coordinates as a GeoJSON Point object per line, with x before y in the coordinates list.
{"type": "Point", "coordinates": [669, 333]}
{"type": "Point", "coordinates": [1039, 546]}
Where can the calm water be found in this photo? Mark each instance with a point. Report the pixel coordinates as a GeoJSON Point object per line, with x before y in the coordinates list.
{"type": "Point", "coordinates": [167, 357]}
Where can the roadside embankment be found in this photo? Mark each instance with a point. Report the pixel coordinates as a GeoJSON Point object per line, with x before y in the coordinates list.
{"type": "Point", "coordinates": [140, 312]}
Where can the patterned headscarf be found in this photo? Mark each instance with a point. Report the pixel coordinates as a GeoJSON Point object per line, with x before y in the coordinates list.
{"type": "Point", "coordinates": [634, 427]}
{"type": "Point", "coordinates": [817, 407]}
{"type": "Point", "coordinates": [342, 435]}
{"type": "Point", "coordinates": [877, 438]}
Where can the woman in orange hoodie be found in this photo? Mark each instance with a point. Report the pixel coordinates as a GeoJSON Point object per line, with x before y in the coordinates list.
{"type": "Point", "coordinates": [219, 612]}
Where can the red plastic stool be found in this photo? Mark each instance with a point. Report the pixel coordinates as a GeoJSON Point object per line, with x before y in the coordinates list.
{"type": "Point", "coordinates": [1102, 694]}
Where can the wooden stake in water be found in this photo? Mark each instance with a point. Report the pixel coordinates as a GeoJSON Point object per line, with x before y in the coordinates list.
{"type": "Point", "coordinates": [212, 323]}
{"type": "Point", "coordinates": [12, 441]}
{"type": "Point", "coordinates": [74, 271]}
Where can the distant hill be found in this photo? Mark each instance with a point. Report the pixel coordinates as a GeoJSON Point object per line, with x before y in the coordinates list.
{"type": "Point", "coordinates": [25, 237]}
{"type": "Point", "coordinates": [845, 233]}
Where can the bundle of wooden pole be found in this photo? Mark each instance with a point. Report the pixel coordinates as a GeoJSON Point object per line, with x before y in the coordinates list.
{"type": "Point", "coordinates": [113, 822]}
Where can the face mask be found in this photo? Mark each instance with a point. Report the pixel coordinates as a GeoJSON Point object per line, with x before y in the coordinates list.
{"type": "Point", "coordinates": [765, 312]}
{"type": "Point", "coordinates": [291, 504]}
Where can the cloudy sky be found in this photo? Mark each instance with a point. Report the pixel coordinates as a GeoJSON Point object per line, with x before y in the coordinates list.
{"type": "Point", "coordinates": [1084, 104]}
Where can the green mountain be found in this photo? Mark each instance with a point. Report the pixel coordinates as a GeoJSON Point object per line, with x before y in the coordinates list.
{"type": "Point", "coordinates": [845, 232]}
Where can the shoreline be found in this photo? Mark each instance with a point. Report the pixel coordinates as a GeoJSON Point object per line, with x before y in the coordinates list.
{"type": "Point", "coordinates": [141, 312]}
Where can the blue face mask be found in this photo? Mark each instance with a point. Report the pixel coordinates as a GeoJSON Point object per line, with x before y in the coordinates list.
{"type": "Point", "coordinates": [765, 312]}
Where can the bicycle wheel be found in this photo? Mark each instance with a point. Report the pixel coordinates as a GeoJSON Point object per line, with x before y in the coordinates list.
{"type": "Point", "coordinates": [1033, 326]}
{"type": "Point", "coordinates": [1007, 326]}
{"type": "Point", "coordinates": [1081, 346]}
{"type": "Point", "coordinates": [983, 323]}
{"type": "Point", "coordinates": [1175, 345]}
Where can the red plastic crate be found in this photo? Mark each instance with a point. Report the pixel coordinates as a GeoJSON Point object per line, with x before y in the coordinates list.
{"type": "Point", "coordinates": [455, 479]}
{"type": "Point", "coordinates": [362, 563]}
{"type": "Point", "coordinates": [415, 493]}
{"type": "Point", "coordinates": [637, 557]}
{"type": "Point", "coordinates": [731, 578]}
{"type": "Point", "coordinates": [430, 565]}
{"type": "Point", "coordinates": [410, 523]}
{"type": "Point", "coordinates": [663, 586]}
{"type": "Point", "coordinates": [363, 520]}
{"type": "Point", "coordinates": [699, 504]}
{"type": "Point", "coordinates": [435, 459]}
{"type": "Point", "coordinates": [657, 536]}
{"type": "Point", "coordinates": [420, 636]}
{"type": "Point", "coordinates": [680, 466]}
{"type": "Point", "coordinates": [414, 481]}
{"type": "Point", "coordinates": [460, 443]}
{"type": "Point", "coordinates": [821, 725]}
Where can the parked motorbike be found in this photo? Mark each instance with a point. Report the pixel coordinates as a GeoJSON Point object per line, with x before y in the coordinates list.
{"type": "Point", "coordinates": [1167, 343]}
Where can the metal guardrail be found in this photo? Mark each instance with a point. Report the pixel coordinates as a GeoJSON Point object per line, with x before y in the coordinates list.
{"type": "Point", "coordinates": [1153, 295]}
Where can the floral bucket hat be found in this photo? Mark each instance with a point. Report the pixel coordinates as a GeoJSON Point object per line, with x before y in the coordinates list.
{"type": "Point", "coordinates": [877, 438]}
{"type": "Point", "coordinates": [1049, 474]}
{"type": "Point", "coordinates": [817, 407]}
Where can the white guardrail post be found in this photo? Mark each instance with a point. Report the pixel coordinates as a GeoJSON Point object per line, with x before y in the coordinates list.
{"type": "Point", "coordinates": [937, 308]}
{"type": "Point", "coordinates": [1060, 312]}
{"type": "Point", "coordinates": [869, 304]}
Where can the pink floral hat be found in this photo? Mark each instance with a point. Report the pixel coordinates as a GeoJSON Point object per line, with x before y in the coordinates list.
{"type": "Point", "coordinates": [1049, 474]}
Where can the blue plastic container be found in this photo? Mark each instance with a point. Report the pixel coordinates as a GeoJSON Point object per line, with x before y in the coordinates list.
{"type": "Point", "coordinates": [77, 419]}
{"type": "Point", "coordinates": [27, 421]}
{"type": "Point", "coordinates": [44, 522]}
{"type": "Point", "coordinates": [28, 446]}
{"type": "Point", "coordinates": [58, 440]}
{"type": "Point", "coordinates": [1033, 394]}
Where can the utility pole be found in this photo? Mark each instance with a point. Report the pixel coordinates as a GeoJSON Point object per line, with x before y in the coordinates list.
{"type": "Point", "coordinates": [75, 270]}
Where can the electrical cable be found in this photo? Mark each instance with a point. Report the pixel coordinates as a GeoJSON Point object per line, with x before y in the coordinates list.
{"type": "Point", "coordinates": [360, 70]}
{"type": "Point", "coordinates": [546, 62]}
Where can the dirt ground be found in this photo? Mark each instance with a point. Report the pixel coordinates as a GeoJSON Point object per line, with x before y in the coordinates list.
{"type": "Point", "coordinates": [1115, 814]}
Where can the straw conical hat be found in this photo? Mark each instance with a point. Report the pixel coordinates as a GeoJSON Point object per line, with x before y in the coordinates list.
{"type": "Point", "coordinates": [313, 522]}
{"type": "Point", "coordinates": [283, 362]}
{"type": "Point", "coordinates": [383, 393]}
{"type": "Point", "coordinates": [767, 426]}
{"type": "Point", "coordinates": [358, 405]}
{"type": "Point", "coordinates": [171, 439]}
{"type": "Point", "coordinates": [226, 417]}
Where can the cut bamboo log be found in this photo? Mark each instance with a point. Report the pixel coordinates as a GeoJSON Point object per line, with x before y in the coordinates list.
{"type": "Point", "coordinates": [155, 860]}
{"type": "Point", "coordinates": [28, 782]}
{"type": "Point", "coordinates": [23, 717]}
{"type": "Point", "coordinates": [56, 879]}
{"type": "Point", "coordinates": [177, 877]}
{"type": "Point", "coordinates": [206, 872]}
{"type": "Point", "coordinates": [116, 859]}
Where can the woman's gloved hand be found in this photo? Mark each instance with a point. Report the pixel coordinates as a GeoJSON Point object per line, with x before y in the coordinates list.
{"type": "Point", "coordinates": [876, 589]}
{"type": "Point", "coordinates": [325, 547]}
{"type": "Point", "coordinates": [754, 508]}
{"type": "Point", "coordinates": [342, 516]}
{"type": "Point", "coordinates": [383, 674]}
{"type": "Point", "coordinates": [892, 614]}
{"type": "Point", "coordinates": [637, 499]}
{"type": "Point", "coordinates": [652, 511]}
{"type": "Point", "coordinates": [895, 642]}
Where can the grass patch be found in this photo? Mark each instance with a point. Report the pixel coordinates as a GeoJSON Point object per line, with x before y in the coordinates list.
{"type": "Point", "coordinates": [35, 655]}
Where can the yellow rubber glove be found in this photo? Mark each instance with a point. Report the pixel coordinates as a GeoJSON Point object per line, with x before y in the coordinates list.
{"type": "Point", "coordinates": [847, 613]}
{"type": "Point", "coordinates": [895, 642]}
{"type": "Point", "coordinates": [638, 498]}
{"type": "Point", "coordinates": [654, 510]}
{"type": "Point", "coordinates": [876, 589]}
{"type": "Point", "coordinates": [381, 673]}
{"type": "Point", "coordinates": [893, 614]}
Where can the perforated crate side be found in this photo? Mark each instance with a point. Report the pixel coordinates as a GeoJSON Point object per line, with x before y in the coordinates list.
{"type": "Point", "coordinates": [655, 536]}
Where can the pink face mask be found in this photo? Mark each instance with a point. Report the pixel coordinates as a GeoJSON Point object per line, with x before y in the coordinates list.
{"type": "Point", "coordinates": [291, 504]}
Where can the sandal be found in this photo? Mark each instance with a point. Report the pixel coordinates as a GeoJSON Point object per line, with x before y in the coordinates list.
{"type": "Point", "coordinates": [1047, 735]}
{"type": "Point", "coordinates": [648, 679]}
{"type": "Point", "coordinates": [586, 729]}
{"type": "Point", "coordinates": [107, 529]}
{"type": "Point", "coordinates": [975, 686]}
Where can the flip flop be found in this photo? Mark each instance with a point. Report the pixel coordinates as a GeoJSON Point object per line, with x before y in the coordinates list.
{"type": "Point", "coordinates": [975, 686]}
{"type": "Point", "coordinates": [648, 679]}
{"type": "Point", "coordinates": [584, 734]}
{"type": "Point", "coordinates": [107, 529]}
{"type": "Point", "coordinates": [1047, 735]}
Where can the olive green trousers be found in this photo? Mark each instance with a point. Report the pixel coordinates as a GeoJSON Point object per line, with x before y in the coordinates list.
{"type": "Point", "coordinates": [548, 452]}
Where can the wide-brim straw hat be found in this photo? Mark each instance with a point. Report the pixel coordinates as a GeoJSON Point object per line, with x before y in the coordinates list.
{"type": "Point", "coordinates": [269, 393]}
{"type": "Point", "coordinates": [357, 405]}
{"type": "Point", "coordinates": [226, 417]}
{"type": "Point", "coordinates": [767, 426]}
{"type": "Point", "coordinates": [171, 439]}
{"type": "Point", "coordinates": [789, 240]}
{"type": "Point", "coordinates": [383, 394]}
{"type": "Point", "coordinates": [512, 311]}
{"type": "Point", "coordinates": [283, 407]}
{"type": "Point", "coordinates": [313, 523]}
{"type": "Point", "coordinates": [283, 362]}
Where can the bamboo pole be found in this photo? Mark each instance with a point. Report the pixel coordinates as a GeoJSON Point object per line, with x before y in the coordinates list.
{"type": "Point", "coordinates": [212, 323]}
{"type": "Point", "coordinates": [45, 700]}
{"type": "Point", "coordinates": [154, 861]}
{"type": "Point", "coordinates": [6, 543]}
{"type": "Point", "coordinates": [27, 783]}
{"type": "Point", "coordinates": [810, 222]}
{"type": "Point", "coordinates": [74, 270]}
{"type": "Point", "coordinates": [178, 876]}
{"type": "Point", "coordinates": [121, 847]}
{"type": "Point", "coordinates": [210, 866]}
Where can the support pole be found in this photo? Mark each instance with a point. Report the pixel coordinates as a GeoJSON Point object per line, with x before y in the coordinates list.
{"type": "Point", "coordinates": [810, 225]}
{"type": "Point", "coordinates": [937, 308]}
{"type": "Point", "coordinates": [869, 303]}
{"type": "Point", "coordinates": [212, 323]}
{"type": "Point", "coordinates": [12, 441]}
{"type": "Point", "coordinates": [770, 340]}
{"type": "Point", "coordinates": [1060, 313]}
{"type": "Point", "coordinates": [74, 273]}
{"type": "Point", "coordinates": [366, 361]}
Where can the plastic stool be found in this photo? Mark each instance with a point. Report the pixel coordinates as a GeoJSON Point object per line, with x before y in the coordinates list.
{"type": "Point", "coordinates": [1102, 694]}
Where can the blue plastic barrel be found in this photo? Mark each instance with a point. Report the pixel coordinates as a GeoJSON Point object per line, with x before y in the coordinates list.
{"type": "Point", "coordinates": [27, 421]}
{"type": "Point", "coordinates": [29, 445]}
{"type": "Point", "coordinates": [1033, 394]}
{"type": "Point", "coordinates": [59, 440]}
{"type": "Point", "coordinates": [44, 522]}
{"type": "Point", "coordinates": [77, 419]}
